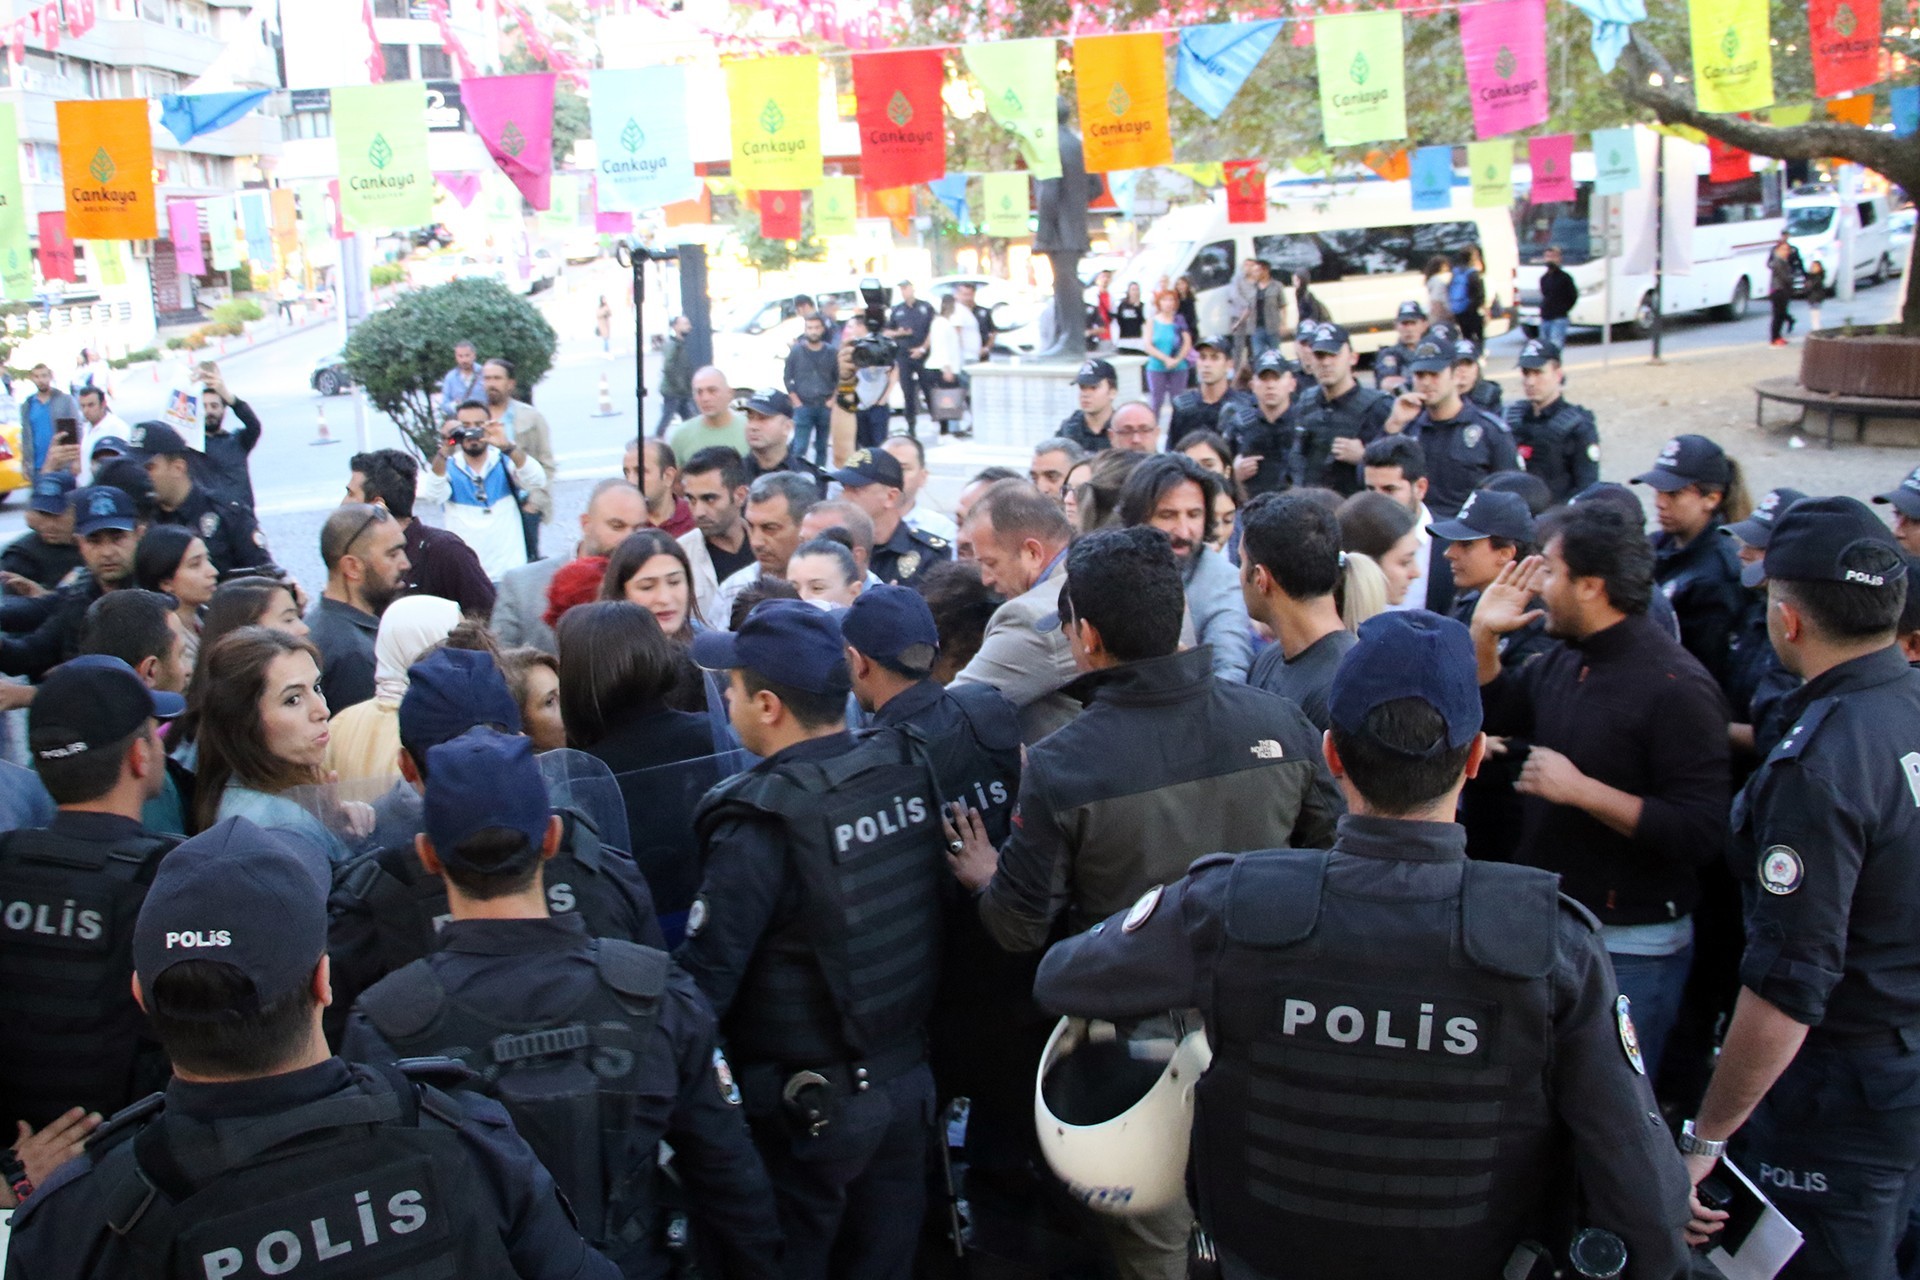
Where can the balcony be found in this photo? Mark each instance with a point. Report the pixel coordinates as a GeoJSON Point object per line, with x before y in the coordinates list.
{"type": "Point", "coordinates": [132, 43]}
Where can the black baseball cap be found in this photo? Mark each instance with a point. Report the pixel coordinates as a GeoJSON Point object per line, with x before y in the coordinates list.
{"type": "Point", "coordinates": [91, 702]}
{"type": "Point", "coordinates": [50, 492]}
{"type": "Point", "coordinates": [789, 642]}
{"type": "Point", "coordinates": [1441, 332]}
{"type": "Point", "coordinates": [1094, 372]}
{"type": "Point", "coordinates": [770, 404]}
{"type": "Point", "coordinates": [1488, 513]}
{"type": "Point", "coordinates": [485, 780]}
{"type": "Point", "coordinates": [884, 622]}
{"type": "Point", "coordinates": [113, 445]}
{"type": "Point", "coordinates": [100, 507]}
{"type": "Point", "coordinates": [1686, 460]}
{"type": "Point", "coordinates": [1430, 357]}
{"type": "Point", "coordinates": [158, 440]}
{"type": "Point", "coordinates": [1329, 338]}
{"type": "Point", "coordinates": [1274, 362]}
{"type": "Point", "coordinates": [1758, 527]}
{"type": "Point", "coordinates": [1538, 354]}
{"type": "Point", "coordinates": [1832, 540]}
{"type": "Point", "coordinates": [1219, 342]}
{"type": "Point", "coordinates": [1410, 311]}
{"type": "Point", "coordinates": [1464, 352]}
{"type": "Point", "coordinates": [1905, 496]}
{"type": "Point", "coordinates": [452, 691]}
{"type": "Point", "coordinates": [871, 466]}
{"type": "Point", "coordinates": [1410, 654]}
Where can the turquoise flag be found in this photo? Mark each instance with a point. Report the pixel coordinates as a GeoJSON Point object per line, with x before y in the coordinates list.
{"type": "Point", "coordinates": [1216, 59]}
{"type": "Point", "coordinates": [256, 218]}
{"type": "Point", "coordinates": [1616, 162]}
{"type": "Point", "coordinates": [640, 138]}
{"type": "Point", "coordinates": [1433, 178]}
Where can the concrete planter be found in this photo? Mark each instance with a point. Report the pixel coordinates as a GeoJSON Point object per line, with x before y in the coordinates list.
{"type": "Point", "coordinates": [1865, 362]}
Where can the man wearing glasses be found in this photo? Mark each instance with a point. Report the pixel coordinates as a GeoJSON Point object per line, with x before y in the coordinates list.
{"type": "Point", "coordinates": [1135, 426]}
{"type": "Point", "coordinates": [364, 550]}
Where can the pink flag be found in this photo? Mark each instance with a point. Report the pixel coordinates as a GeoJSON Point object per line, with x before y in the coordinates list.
{"type": "Point", "coordinates": [183, 223]}
{"type": "Point", "coordinates": [1505, 43]}
{"type": "Point", "coordinates": [376, 58]}
{"type": "Point", "coordinates": [609, 223]}
{"type": "Point", "coordinates": [514, 117]}
{"type": "Point", "coordinates": [1551, 159]}
{"type": "Point", "coordinates": [463, 187]}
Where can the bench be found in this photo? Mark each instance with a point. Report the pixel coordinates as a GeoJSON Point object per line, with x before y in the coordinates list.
{"type": "Point", "coordinates": [1789, 391]}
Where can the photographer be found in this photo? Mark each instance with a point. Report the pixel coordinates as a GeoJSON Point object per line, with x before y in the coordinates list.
{"type": "Point", "coordinates": [480, 475]}
{"type": "Point", "coordinates": [873, 383]}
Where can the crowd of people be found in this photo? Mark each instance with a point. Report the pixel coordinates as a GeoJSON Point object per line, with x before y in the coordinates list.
{"type": "Point", "coordinates": [701, 900]}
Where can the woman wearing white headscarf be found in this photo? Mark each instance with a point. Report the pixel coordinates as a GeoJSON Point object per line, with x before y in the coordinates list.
{"type": "Point", "coordinates": [365, 748]}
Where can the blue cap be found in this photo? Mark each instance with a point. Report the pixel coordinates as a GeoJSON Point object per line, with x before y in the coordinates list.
{"type": "Point", "coordinates": [1329, 338]}
{"type": "Point", "coordinates": [1464, 352]}
{"type": "Point", "coordinates": [1430, 357]}
{"type": "Point", "coordinates": [1488, 513]}
{"type": "Point", "coordinates": [770, 404]}
{"type": "Point", "coordinates": [1442, 332]}
{"type": "Point", "coordinates": [870, 466]}
{"type": "Point", "coordinates": [1757, 528]}
{"type": "Point", "coordinates": [157, 439]}
{"type": "Point", "coordinates": [1410, 310]}
{"type": "Point", "coordinates": [1904, 496]}
{"type": "Point", "coordinates": [1832, 540]}
{"type": "Point", "coordinates": [1538, 354]}
{"type": "Point", "coordinates": [1410, 654]}
{"type": "Point", "coordinates": [50, 490]}
{"type": "Point", "coordinates": [1274, 362]}
{"type": "Point", "coordinates": [789, 642]}
{"type": "Point", "coordinates": [100, 507]}
{"type": "Point", "coordinates": [485, 780]}
{"type": "Point", "coordinates": [884, 622]}
{"type": "Point", "coordinates": [242, 896]}
{"type": "Point", "coordinates": [449, 692]}
{"type": "Point", "coordinates": [1687, 460]}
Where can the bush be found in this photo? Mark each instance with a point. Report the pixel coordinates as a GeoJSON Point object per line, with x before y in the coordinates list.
{"type": "Point", "coordinates": [195, 340]}
{"type": "Point", "coordinates": [400, 354]}
{"type": "Point", "coordinates": [240, 279]}
{"type": "Point", "coordinates": [135, 357]}
{"type": "Point", "coordinates": [174, 344]}
{"type": "Point", "coordinates": [387, 273]}
{"type": "Point", "coordinates": [236, 312]}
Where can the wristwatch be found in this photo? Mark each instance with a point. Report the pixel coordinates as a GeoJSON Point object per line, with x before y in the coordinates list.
{"type": "Point", "coordinates": [1692, 1144]}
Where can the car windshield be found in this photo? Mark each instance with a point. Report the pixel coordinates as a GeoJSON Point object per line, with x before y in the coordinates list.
{"type": "Point", "coordinates": [1809, 220]}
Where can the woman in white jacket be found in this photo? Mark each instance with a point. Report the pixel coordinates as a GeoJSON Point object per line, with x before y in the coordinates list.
{"type": "Point", "coordinates": [943, 356]}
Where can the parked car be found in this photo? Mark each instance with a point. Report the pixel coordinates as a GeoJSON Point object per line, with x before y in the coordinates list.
{"type": "Point", "coordinates": [1813, 225]}
{"type": "Point", "coordinates": [329, 376]}
{"type": "Point", "coordinates": [1900, 236]}
{"type": "Point", "coordinates": [1014, 313]}
{"type": "Point", "coordinates": [13, 462]}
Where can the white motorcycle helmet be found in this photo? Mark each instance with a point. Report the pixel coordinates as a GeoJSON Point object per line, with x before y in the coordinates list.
{"type": "Point", "coordinates": [1115, 1116]}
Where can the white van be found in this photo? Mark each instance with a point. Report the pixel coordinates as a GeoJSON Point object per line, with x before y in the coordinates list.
{"type": "Point", "coordinates": [1360, 242]}
{"type": "Point", "coordinates": [1813, 224]}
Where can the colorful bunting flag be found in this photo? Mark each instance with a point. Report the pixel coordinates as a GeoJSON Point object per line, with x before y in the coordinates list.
{"type": "Point", "coordinates": [106, 157]}
{"type": "Point", "coordinates": [463, 187]}
{"type": "Point", "coordinates": [183, 228]}
{"type": "Point", "coordinates": [1732, 54]}
{"type": "Point", "coordinates": [1856, 110]}
{"type": "Point", "coordinates": [835, 206]}
{"type": "Point", "coordinates": [696, 211]}
{"type": "Point", "coordinates": [286, 221]}
{"type": "Point", "coordinates": [1020, 86]}
{"type": "Point", "coordinates": [780, 215]}
{"type": "Point", "coordinates": [1008, 202]}
{"type": "Point", "coordinates": [1215, 61]}
{"type": "Point", "coordinates": [1490, 166]}
{"type": "Point", "coordinates": [1362, 73]}
{"type": "Point", "coordinates": [380, 142]}
{"type": "Point", "coordinates": [563, 209]}
{"type": "Point", "coordinates": [257, 225]}
{"type": "Point", "coordinates": [1389, 166]}
{"type": "Point", "coordinates": [1612, 26]}
{"type": "Point", "coordinates": [1616, 162]}
{"type": "Point", "coordinates": [316, 222]}
{"type": "Point", "coordinates": [1781, 117]}
{"type": "Point", "coordinates": [1844, 37]}
{"type": "Point", "coordinates": [1905, 104]}
{"type": "Point", "coordinates": [223, 231]}
{"type": "Point", "coordinates": [1551, 159]}
{"type": "Point", "coordinates": [1505, 45]}
{"type": "Point", "coordinates": [642, 166]}
{"type": "Point", "coordinates": [1122, 83]}
{"type": "Point", "coordinates": [514, 117]}
{"type": "Point", "coordinates": [1727, 163]}
{"type": "Point", "coordinates": [56, 250]}
{"type": "Point", "coordinates": [775, 104]}
{"type": "Point", "coordinates": [187, 116]}
{"type": "Point", "coordinates": [903, 124]}
{"type": "Point", "coordinates": [951, 190]}
{"type": "Point", "coordinates": [1432, 178]}
{"type": "Point", "coordinates": [109, 267]}
{"type": "Point", "coordinates": [1246, 183]}
{"type": "Point", "coordinates": [16, 255]}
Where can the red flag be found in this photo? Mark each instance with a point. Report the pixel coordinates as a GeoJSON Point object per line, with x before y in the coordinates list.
{"type": "Point", "coordinates": [80, 15]}
{"type": "Point", "coordinates": [1845, 38]}
{"type": "Point", "coordinates": [1246, 190]}
{"type": "Point", "coordinates": [1551, 159]}
{"type": "Point", "coordinates": [903, 128]}
{"type": "Point", "coordinates": [56, 250]}
{"type": "Point", "coordinates": [780, 215]}
{"type": "Point", "coordinates": [1728, 163]}
{"type": "Point", "coordinates": [333, 197]}
{"type": "Point", "coordinates": [50, 27]}
{"type": "Point", "coordinates": [376, 60]}
{"type": "Point", "coordinates": [438, 8]}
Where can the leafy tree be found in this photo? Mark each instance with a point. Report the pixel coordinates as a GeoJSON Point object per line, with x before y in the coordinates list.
{"type": "Point", "coordinates": [399, 355]}
{"type": "Point", "coordinates": [776, 255]}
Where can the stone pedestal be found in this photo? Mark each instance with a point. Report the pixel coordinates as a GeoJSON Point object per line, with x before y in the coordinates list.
{"type": "Point", "coordinates": [1021, 404]}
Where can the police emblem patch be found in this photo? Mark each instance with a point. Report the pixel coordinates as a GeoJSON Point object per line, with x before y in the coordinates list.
{"type": "Point", "coordinates": [723, 1076]}
{"type": "Point", "coordinates": [209, 524]}
{"type": "Point", "coordinates": [1143, 909]}
{"type": "Point", "coordinates": [1471, 437]}
{"type": "Point", "coordinates": [696, 916]}
{"type": "Point", "coordinates": [1629, 1038]}
{"type": "Point", "coordinates": [908, 564]}
{"type": "Point", "coordinates": [1780, 870]}
{"type": "Point", "coordinates": [1593, 453]}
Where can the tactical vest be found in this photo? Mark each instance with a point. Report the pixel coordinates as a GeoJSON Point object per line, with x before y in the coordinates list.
{"type": "Point", "coordinates": [364, 1184]}
{"type": "Point", "coordinates": [980, 767]}
{"type": "Point", "coordinates": [569, 1082]}
{"type": "Point", "coordinates": [854, 970]}
{"type": "Point", "coordinates": [74, 1036]}
{"type": "Point", "coordinates": [1377, 1103]}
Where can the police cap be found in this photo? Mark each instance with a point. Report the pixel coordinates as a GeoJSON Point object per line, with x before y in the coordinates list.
{"type": "Point", "coordinates": [451, 691]}
{"type": "Point", "coordinates": [1411, 311]}
{"type": "Point", "coordinates": [1758, 527]}
{"type": "Point", "coordinates": [50, 490]}
{"type": "Point", "coordinates": [1905, 496]}
{"type": "Point", "coordinates": [100, 507]}
{"type": "Point", "coordinates": [1831, 540]}
{"type": "Point", "coordinates": [770, 404]}
{"type": "Point", "coordinates": [1688, 460]}
{"type": "Point", "coordinates": [1430, 357]}
{"type": "Point", "coordinates": [788, 642]}
{"type": "Point", "coordinates": [1464, 352]}
{"type": "Point", "coordinates": [1538, 354]}
{"type": "Point", "coordinates": [1094, 372]}
{"type": "Point", "coordinates": [1219, 342]}
{"type": "Point", "coordinates": [871, 466]}
{"type": "Point", "coordinates": [1488, 513]}
{"type": "Point", "coordinates": [1330, 338]}
{"type": "Point", "coordinates": [158, 440]}
{"type": "Point", "coordinates": [1410, 654]}
{"type": "Point", "coordinates": [884, 622]}
{"type": "Point", "coordinates": [91, 702]}
{"type": "Point", "coordinates": [485, 780]}
{"type": "Point", "coordinates": [1274, 362]}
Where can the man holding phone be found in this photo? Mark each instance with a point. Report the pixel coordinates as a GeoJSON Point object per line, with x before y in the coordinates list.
{"type": "Point", "coordinates": [50, 422]}
{"type": "Point", "coordinates": [233, 429]}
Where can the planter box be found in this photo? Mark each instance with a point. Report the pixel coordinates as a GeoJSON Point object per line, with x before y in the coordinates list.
{"type": "Point", "coordinates": [1879, 365]}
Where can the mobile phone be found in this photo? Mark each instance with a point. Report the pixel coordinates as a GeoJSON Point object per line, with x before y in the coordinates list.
{"type": "Point", "coordinates": [66, 431]}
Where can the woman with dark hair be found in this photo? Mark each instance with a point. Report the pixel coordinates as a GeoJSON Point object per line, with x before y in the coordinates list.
{"type": "Point", "coordinates": [1378, 527]}
{"type": "Point", "coordinates": [1209, 449]}
{"type": "Point", "coordinates": [1130, 319]}
{"type": "Point", "coordinates": [1188, 305]}
{"type": "Point", "coordinates": [243, 602]}
{"type": "Point", "coordinates": [651, 569]}
{"type": "Point", "coordinates": [1097, 500]}
{"type": "Point", "coordinates": [173, 561]}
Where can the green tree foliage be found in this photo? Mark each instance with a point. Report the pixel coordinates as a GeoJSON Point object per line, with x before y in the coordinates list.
{"type": "Point", "coordinates": [399, 355]}
{"type": "Point", "coordinates": [776, 255]}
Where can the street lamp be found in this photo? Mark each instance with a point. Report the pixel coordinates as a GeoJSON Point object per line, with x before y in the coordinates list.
{"type": "Point", "coordinates": [634, 255]}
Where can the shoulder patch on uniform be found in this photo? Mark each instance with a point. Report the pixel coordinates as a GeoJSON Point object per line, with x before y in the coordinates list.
{"type": "Point", "coordinates": [1142, 911]}
{"type": "Point", "coordinates": [1210, 860]}
{"type": "Point", "coordinates": [933, 540]}
{"type": "Point", "coordinates": [1629, 1038]}
{"type": "Point", "coordinates": [1795, 740]}
{"type": "Point", "coordinates": [1781, 870]}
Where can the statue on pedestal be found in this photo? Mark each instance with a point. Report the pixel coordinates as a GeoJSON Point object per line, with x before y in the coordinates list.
{"type": "Point", "coordinates": [1062, 236]}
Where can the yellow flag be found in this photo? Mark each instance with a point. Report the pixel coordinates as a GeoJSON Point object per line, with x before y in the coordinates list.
{"type": "Point", "coordinates": [775, 104]}
{"type": "Point", "coordinates": [1732, 54]}
{"type": "Point", "coordinates": [1006, 199]}
{"type": "Point", "coordinates": [1122, 83]}
{"type": "Point", "coordinates": [1490, 164]}
{"type": "Point", "coordinates": [834, 207]}
{"type": "Point", "coordinates": [106, 157]}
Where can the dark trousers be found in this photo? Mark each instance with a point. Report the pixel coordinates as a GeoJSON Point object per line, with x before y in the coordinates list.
{"type": "Point", "coordinates": [851, 1200]}
{"type": "Point", "coordinates": [870, 431]}
{"type": "Point", "coordinates": [673, 408]}
{"type": "Point", "coordinates": [914, 388]}
{"type": "Point", "coordinates": [1781, 321]}
{"type": "Point", "coordinates": [1473, 327]}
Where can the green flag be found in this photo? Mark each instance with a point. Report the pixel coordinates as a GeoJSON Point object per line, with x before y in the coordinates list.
{"type": "Point", "coordinates": [316, 221]}
{"type": "Point", "coordinates": [223, 232]}
{"type": "Point", "coordinates": [1021, 88]}
{"type": "Point", "coordinates": [563, 202]}
{"type": "Point", "coordinates": [1362, 72]}
{"type": "Point", "coordinates": [834, 207]}
{"type": "Point", "coordinates": [1006, 199]}
{"type": "Point", "coordinates": [109, 268]}
{"type": "Point", "coordinates": [1490, 164]}
{"type": "Point", "coordinates": [16, 266]}
{"type": "Point", "coordinates": [380, 137]}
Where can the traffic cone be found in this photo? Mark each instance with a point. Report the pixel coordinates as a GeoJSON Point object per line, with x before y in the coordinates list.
{"type": "Point", "coordinates": [320, 433]}
{"type": "Point", "coordinates": [606, 409]}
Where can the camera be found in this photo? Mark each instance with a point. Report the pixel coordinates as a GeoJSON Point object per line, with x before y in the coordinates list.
{"type": "Point", "coordinates": [873, 352]}
{"type": "Point", "coordinates": [467, 435]}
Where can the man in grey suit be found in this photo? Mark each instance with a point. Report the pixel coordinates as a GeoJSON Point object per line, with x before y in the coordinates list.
{"type": "Point", "coordinates": [615, 510]}
{"type": "Point", "coordinates": [1019, 538]}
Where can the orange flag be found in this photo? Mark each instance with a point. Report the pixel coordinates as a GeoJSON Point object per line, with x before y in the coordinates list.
{"type": "Point", "coordinates": [1122, 82]}
{"type": "Point", "coordinates": [1392, 166]}
{"type": "Point", "coordinates": [1855, 110]}
{"type": "Point", "coordinates": [106, 159]}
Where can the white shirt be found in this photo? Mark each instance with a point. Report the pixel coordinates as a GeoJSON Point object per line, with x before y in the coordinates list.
{"type": "Point", "coordinates": [111, 425]}
{"type": "Point", "coordinates": [1416, 597]}
{"type": "Point", "coordinates": [967, 326]}
{"type": "Point", "coordinates": [736, 582]}
{"type": "Point", "coordinates": [927, 520]}
{"type": "Point", "coordinates": [494, 532]}
{"type": "Point", "coordinates": [943, 343]}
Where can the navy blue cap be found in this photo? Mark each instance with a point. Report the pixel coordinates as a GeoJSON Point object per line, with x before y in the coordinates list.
{"type": "Point", "coordinates": [789, 642]}
{"type": "Point", "coordinates": [1904, 496]}
{"type": "Point", "coordinates": [1688, 460]}
{"type": "Point", "coordinates": [884, 622]}
{"type": "Point", "coordinates": [1488, 513]}
{"type": "Point", "coordinates": [1411, 311]}
{"type": "Point", "coordinates": [1218, 342]}
{"type": "Point", "coordinates": [1094, 372]}
{"type": "Point", "coordinates": [115, 445]}
{"type": "Point", "coordinates": [1538, 354]}
{"type": "Point", "coordinates": [157, 439]}
{"type": "Point", "coordinates": [1464, 352]}
{"type": "Point", "coordinates": [91, 702]}
{"type": "Point", "coordinates": [1430, 357]}
{"type": "Point", "coordinates": [100, 507]}
{"type": "Point", "coordinates": [770, 404]}
{"type": "Point", "coordinates": [1758, 527]}
{"type": "Point", "coordinates": [451, 691]}
{"type": "Point", "coordinates": [1410, 654]}
{"type": "Point", "coordinates": [1329, 338]}
{"type": "Point", "coordinates": [1832, 540]}
{"type": "Point", "coordinates": [1274, 362]}
{"type": "Point", "coordinates": [50, 490]}
{"type": "Point", "coordinates": [241, 896]}
{"type": "Point", "coordinates": [871, 466]}
{"type": "Point", "coordinates": [485, 780]}
{"type": "Point", "coordinates": [1442, 332]}
{"type": "Point", "coordinates": [1388, 363]}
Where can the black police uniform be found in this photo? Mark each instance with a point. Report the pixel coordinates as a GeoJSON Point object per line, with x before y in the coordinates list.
{"type": "Point", "coordinates": [1827, 849]}
{"type": "Point", "coordinates": [1461, 452]}
{"type": "Point", "coordinates": [816, 936]}
{"type": "Point", "coordinates": [1414, 1055]}
{"type": "Point", "coordinates": [1561, 445]}
{"type": "Point", "coordinates": [1074, 427]}
{"type": "Point", "coordinates": [384, 1170]}
{"type": "Point", "coordinates": [44, 631]}
{"type": "Point", "coordinates": [73, 1035]}
{"type": "Point", "coordinates": [903, 559]}
{"type": "Point", "coordinates": [1192, 413]}
{"type": "Point", "coordinates": [1392, 362]}
{"type": "Point", "coordinates": [792, 462]}
{"type": "Point", "coordinates": [1251, 432]}
{"type": "Point", "coordinates": [1360, 414]}
{"type": "Point", "coordinates": [916, 318]}
{"type": "Point", "coordinates": [233, 537]}
{"type": "Point", "coordinates": [1757, 685]}
{"type": "Point", "coordinates": [1487, 394]}
{"type": "Point", "coordinates": [37, 560]}
{"type": "Point", "coordinates": [1701, 580]}
{"type": "Point", "coordinates": [599, 1049]}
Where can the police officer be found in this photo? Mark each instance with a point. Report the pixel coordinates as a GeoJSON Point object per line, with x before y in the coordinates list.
{"type": "Point", "coordinates": [598, 1048]}
{"type": "Point", "coordinates": [1557, 439]}
{"type": "Point", "coordinates": [873, 481]}
{"type": "Point", "coordinates": [47, 553]}
{"type": "Point", "coordinates": [234, 541]}
{"type": "Point", "coordinates": [46, 629]}
{"type": "Point", "coordinates": [1390, 371]}
{"type": "Point", "coordinates": [1095, 385]}
{"type": "Point", "coordinates": [1262, 432]}
{"type": "Point", "coordinates": [816, 937]}
{"type": "Point", "coordinates": [265, 1156]}
{"type": "Point", "coordinates": [1338, 417]}
{"type": "Point", "coordinates": [1818, 1082]}
{"type": "Point", "coordinates": [1697, 488]}
{"type": "Point", "coordinates": [1474, 389]}
{"type": "Point", "coordinates": [1756, 682]}
{"type": "Point", "coordinates": [909, 323]}
{"type": "Point", "coordinates": [1904, 498]}
{"type": "Point", "coordinates": [69, 893]}
{"type": "Point", "coordinates": [1464, 443]}
{"type": "Point", "coordinates": [1201, 407]}
{"type": "Point", "coordinates": [1416, 1057]}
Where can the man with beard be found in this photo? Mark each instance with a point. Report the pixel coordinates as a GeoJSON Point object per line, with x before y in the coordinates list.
{"type": "Point", "coordinates": [365, 552]}
{"type": "Point", "coordinates": [526, 427]}
{"type": "Point", "coordinates": [227, 449]}
{"type": "Point", "coordinates": [479, 474]}
{"type": "Point", "coordinates": [715, 482]}
{"type": "Point", "coordinates": [233, 537]}
{"type": "Point", "coordinates": [1174, 494]}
